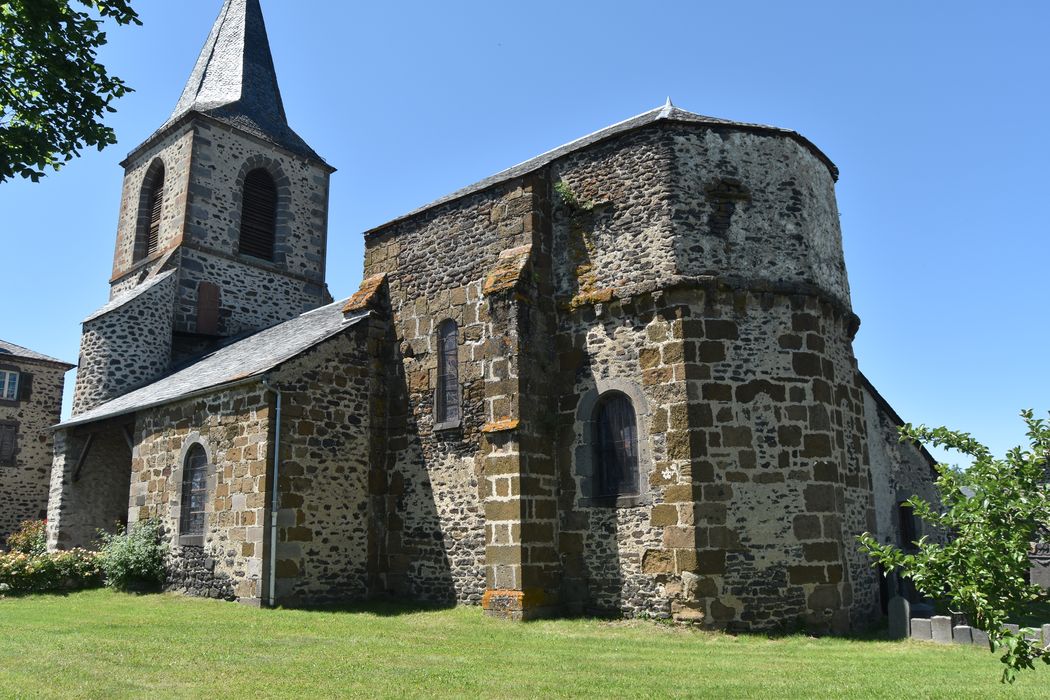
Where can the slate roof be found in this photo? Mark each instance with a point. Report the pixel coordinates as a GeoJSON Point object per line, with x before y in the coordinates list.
{"type": "Point", "coordinates": [133, 293]}
{"type": "Point", "coordinates": [234, 80]}
{"type": "Point", "coordinates": [666, 112]}
{"type": "Point", "coordinates": [11, 350]}
{"type": "Point", "coordinates": [239, 361]}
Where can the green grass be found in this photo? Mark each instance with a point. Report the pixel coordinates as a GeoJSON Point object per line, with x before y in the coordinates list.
{"type": "Point", "coordinates": [104, 644]}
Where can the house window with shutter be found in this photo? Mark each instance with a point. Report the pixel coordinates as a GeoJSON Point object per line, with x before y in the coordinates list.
{"type": "Point", "coordinates": [9, 385]}
{"type": "Point", "coordinates": [151, 207]}
{"type": "Point", "coordinates": [258, 215]}
{"type": "Point", "coordinates": [194, 496]}
{"type": "Point", "coordinates": [447, 399]}
{"type": "Point", "coordinates": [8, 443]}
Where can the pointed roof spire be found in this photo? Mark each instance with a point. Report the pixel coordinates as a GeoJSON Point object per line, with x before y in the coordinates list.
{"type": "Point", "coordinates": [234, 79]}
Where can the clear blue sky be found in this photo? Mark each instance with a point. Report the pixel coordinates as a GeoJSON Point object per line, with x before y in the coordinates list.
{"type": "Point", "coordinates": [937, 115]}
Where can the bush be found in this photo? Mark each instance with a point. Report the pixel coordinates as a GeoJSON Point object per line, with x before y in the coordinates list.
{"type": "Point", "coordinates": [26, 573]}
{"type": "Point", "coordinates": [31, 538]}
{"type": "Point", "coordinates": [133, 559]}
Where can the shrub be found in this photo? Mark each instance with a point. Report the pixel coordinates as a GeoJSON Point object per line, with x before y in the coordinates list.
{"type": "Point", "coordinates": [26, 573]}
{"type": "Point", "coordinates": [30, 538]}
{"type": "Point", "coordinates": [133, 559]}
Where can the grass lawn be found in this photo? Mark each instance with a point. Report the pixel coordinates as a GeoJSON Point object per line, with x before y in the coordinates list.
{"type": "Point", "coordinates": [104, 644]}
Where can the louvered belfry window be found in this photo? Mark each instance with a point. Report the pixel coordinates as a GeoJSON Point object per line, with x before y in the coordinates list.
{"type": "Point", "coordinates": [448, 403]}
{"type": "Point", "coordinates": [194, 493]}
{"type": "Point", "coordinates": [258, 215]}
{"type": "Point", "coordinates": [153, 195]}
{"type": "Point", "coordinates": [616, 446]}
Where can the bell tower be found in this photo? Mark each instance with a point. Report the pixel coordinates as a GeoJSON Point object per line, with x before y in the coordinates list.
{"type": "Point", "coordinates": [223, 220]}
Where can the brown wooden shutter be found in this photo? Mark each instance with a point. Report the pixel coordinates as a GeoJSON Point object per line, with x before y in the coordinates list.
{"type": "Point", "coordinates": [8, 442]}
{"type": "Point", "coordinates": [258, 215]}
{"type": "Point", "coordinates": [25, 386]}
{"type": "Point", "coordinates": [208, 308]}
{"type": "Point", "coordinates": [156, 204]}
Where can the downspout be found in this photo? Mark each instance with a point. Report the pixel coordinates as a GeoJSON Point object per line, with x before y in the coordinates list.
{"type": "Point", "coordinates": [274, 493]}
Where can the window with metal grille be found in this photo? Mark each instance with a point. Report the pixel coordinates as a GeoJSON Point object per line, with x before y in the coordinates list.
{"type": "Point", "coordinates": [194, 494]}
{"type": "Point", "coordinates": [153, 201]}
{"type": "Point", "coordinates": [8, 385]}
{"type": "Point", "coordinates": [447, 409]}
{"type": "Point", "coordinates": [616, 446]}
{"type": "Point", "coordinates": [8, 443]}
{"type": "Point", "coordinates": [258, 215]}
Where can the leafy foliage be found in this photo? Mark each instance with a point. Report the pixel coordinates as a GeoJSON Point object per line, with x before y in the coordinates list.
{"type": "Point", "coordinates": [30, 538]}
{"type": "Point", "coordinates": [53, 90]}
{"type": "Point", "coordinates": [991, 512]}
{"type": "Point", "coordinates": [133, 559]}
{"type": "Point", "coordinates": [25, 573]}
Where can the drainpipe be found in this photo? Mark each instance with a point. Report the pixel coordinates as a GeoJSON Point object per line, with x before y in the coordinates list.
{"type": "Point", "coordinates": [274, 493]}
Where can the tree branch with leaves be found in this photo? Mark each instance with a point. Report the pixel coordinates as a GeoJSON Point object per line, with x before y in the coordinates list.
{"type": "Point", "coordinates": [53, 90]}
{"type": "Point", "coordinates": [991, 512]}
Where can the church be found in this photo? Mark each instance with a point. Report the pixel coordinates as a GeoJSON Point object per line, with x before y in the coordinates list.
{"type": "Point", "coordinates": [617, 378]}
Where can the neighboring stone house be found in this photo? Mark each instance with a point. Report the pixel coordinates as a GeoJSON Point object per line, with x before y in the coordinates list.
{"type": "Point", "coordinates": [30, 404]}
{"type": "Point", "coordinates": [616, 378]}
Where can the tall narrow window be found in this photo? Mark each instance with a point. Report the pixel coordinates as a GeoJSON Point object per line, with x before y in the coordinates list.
{"type": "Point", "coordinates": [258, 215]}
{"type": "Point", "coordinates": [207, 308]}
{"type": "Point", "coordinates": [151, 207]}
{"type": "Point", "coordinates": [616, 446]}
{"type": "Point", "coordinates": [194, 495]}
{"type": "Point", "coordinates": [447, 409]}
{"type": "Point", "coordinates": [906, 519]}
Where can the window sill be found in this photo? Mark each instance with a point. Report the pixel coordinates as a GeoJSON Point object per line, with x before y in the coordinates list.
{"type": "Point", "coordinates": [447, 425]}
{"type": "Point", "coordinates": [623, 501]}
{"type": "Point", "coordinates": [191, 540]}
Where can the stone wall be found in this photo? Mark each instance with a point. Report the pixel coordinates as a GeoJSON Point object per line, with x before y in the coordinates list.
{"type": "Point", "coordinates": [125, 346]}
{"type": "Point", "coordinates": [436, 537]}
{"type": "Point", "coordinates": [250, 297]}
{"type": "Point", "coordinates": [90, 478]}
{"type": "Point", "coordinates": [757, 477]}
{"type": "Point", "coordinates": [234, 427]}
{"type": "Point", "coordinates": [24, 485]}
{"type": "Point", "coordinates": [174, 151]}
{"type": "Point", "coordinates": [747, 391]}
{"type": "Point", "coordinates": [331, 414]}
{"type": "Point", "coordinates": [899, 470]}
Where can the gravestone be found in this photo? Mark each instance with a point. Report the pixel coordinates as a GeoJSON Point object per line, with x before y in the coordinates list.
{"type": "Point", "coordinates": [899, 610]}
{"type": "Point", "coordinates": [921, 629]}
{"type": "Point", "coordinates": [962, 634]}
{"type": "Point", "coordinates": [941, 626]}
{"type": "Point", "coordinates": [980, 638]}
{"type": "Point", "coordinates": [1046, 636]}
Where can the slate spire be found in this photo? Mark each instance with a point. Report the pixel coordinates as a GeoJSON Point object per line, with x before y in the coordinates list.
{"type": "Point", "coordinates": [234, 79]}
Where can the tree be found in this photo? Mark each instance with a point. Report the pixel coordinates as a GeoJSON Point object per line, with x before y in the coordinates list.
{"type": "Point", "coordinates": [53, 91]}
{"type": "Point", "coordinates": [991, 512]}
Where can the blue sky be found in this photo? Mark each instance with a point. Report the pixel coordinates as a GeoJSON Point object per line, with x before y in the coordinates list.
{"type": "Point", "coordinates": [937, 115]}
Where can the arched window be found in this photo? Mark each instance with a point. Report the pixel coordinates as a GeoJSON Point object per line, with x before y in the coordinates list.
{"type": "Point", "coordinates": [907, 524]}
{"type": "Point", "coordinates": [258, 215]}
{"type": "Point", "coordinates": [447, 401]}
{"type": "Point", "coordinates": [150, 207]}
{"type": "Point", "coordinates": [194, 495]}
{"type": "Point", "coordinates": [616, 446]}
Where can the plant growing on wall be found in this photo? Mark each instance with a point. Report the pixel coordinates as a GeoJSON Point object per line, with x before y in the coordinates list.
{"type": "Point", "coordinates": [992, 512]}
{"type": "Point", "coordinates": [133, 559]}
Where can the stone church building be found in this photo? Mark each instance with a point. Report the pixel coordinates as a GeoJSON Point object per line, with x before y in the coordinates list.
{"type": "Point", "coordinates": [618, 377]}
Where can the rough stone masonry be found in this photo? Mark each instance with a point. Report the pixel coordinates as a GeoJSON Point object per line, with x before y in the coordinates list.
{"type": "Point", "coordinates": [615, 379]}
